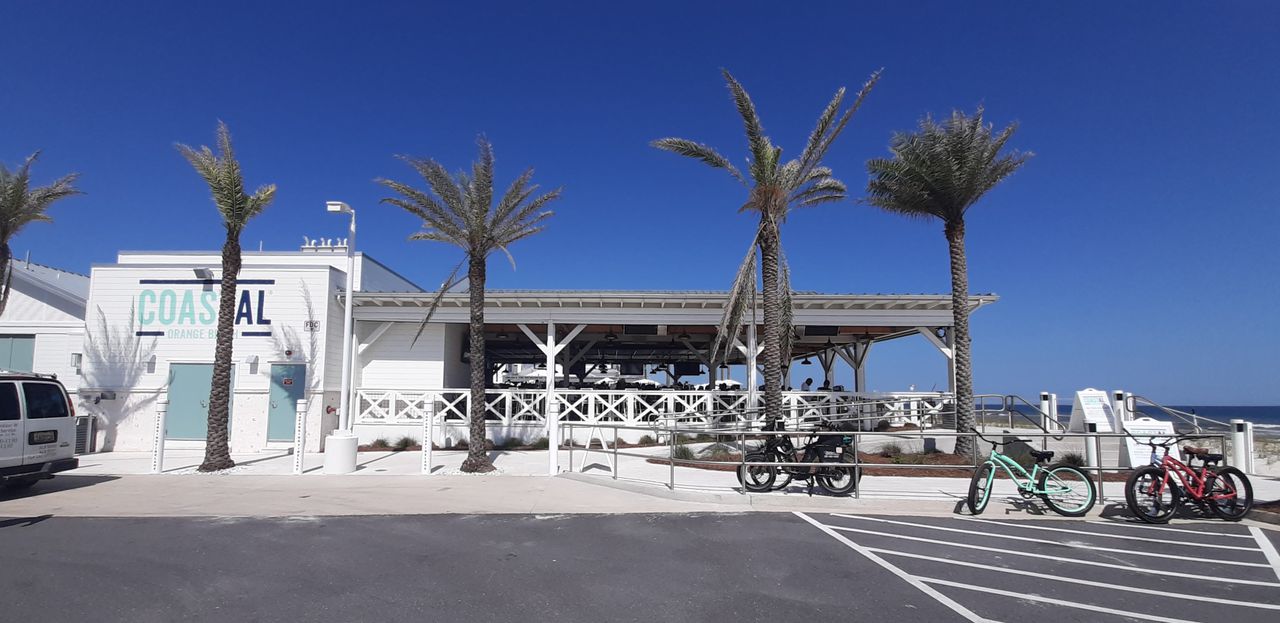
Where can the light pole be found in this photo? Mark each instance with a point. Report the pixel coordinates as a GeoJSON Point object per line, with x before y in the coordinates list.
{"type": "Point", "coordinates": [341, 445]}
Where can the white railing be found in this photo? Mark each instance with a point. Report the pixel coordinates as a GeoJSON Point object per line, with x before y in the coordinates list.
{"type": "Point", "coordinates": [636, 407]}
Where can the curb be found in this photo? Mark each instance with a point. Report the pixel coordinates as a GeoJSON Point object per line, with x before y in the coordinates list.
{"type": "Point", "coordinates": [1264, 516]}
{"type": "Point", "coordinates": [734, 499]}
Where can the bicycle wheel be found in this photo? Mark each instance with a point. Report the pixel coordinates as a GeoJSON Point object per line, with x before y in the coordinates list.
{"type": "Point", "coordinates": [980, 488]}
{"type": "Point", "coordinates": [1230, 493]}
{"type": "Point", "coordinates": [784, 476]}
{"type": "Point", "coordinates": [1066, 490]}
{"type": "Point", "coordinates": [756, 478]}
{"type": "Point", "coordinates": [840, 480]}
{"type": "Point", "coordinates": [1151, 498]}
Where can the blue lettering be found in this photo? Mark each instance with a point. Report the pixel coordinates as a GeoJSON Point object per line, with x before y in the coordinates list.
{"type": "Point", "coordinates": [245, 309]}
{"type": "Point", "coordinates": [146, 316]}
{"type": "Point", "coordinates": [187, 313]}
{"type": "Point", "coordinates": [262, 305]}
{"type": "Point", "coordinates": [206, 301]}
{"type": "Point", "coordinates": [168, 305]}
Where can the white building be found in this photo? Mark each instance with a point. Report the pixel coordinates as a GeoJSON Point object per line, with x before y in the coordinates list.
{"type": "Point", "coordinates": [42, 328]}
{"type": "Point", "coordinates": [150, 330]}
{"type": "Point", "coordinates": [151, 318]}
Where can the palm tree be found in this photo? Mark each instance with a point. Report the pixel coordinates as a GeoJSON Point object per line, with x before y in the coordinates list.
{"type": "Point", "coordinates": [222, 173]}
{"type": "Point", "coordinates": [940, 171]}
{"type": "Point", "coordinates": [460, 210]}
{"type": "Point", "coordinates": [774, 188]}
{"type": "Point", "coordinates": [21, 204]}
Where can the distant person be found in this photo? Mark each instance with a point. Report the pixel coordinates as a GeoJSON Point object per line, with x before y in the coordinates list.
{"type": "Point", "coordinates": [826, 385]}
{"type": "Point", "coordinates": [807, 385]}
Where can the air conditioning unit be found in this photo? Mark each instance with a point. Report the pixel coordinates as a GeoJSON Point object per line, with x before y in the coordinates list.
{"type": "Point", "coordinates": [85, 437]}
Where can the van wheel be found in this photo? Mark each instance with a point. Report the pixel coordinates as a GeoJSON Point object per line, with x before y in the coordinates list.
{"type": "Point", "coordinates": [19, 485]}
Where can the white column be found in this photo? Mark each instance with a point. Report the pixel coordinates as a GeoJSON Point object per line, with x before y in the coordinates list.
{"type": "Point", "coordinates": [300, 437]}
{"type": "Point", "coordinates": [428, 434]}
{"type": "Point", "coordinates": [552, 410]}
{"type": "Point", "coordinates": [157, 440]}
{"type": "Point", "coordinates": [753, 373]}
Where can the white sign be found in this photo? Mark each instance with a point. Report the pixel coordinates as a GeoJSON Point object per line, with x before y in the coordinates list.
{"type": "Point", "coordinates": [1145, 428]}
{"type": "Point", "coordinates": [1091, 406]}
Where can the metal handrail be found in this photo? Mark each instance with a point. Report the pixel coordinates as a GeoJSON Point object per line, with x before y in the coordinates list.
{"type": "Point", "coordinates": [1132, 402]}
{"type": "Point", "coordinates": [742, 435]}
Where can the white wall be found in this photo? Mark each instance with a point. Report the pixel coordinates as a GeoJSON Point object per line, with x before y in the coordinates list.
{"type": "Point", "coordinates": [395, 362]}
{"type": "Point", "coordinates": [116, 358]}
{"type": "Point", "coordinates": [56, 323]}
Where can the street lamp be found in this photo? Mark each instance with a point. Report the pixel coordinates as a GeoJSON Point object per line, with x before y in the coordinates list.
{"type": "Point", "coordinates": [341, 445]}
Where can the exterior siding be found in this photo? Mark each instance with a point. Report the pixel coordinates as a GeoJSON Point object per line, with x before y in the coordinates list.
{"type": "Point", "coordinates": [58, 327]}
{"type": "Point", "coordinates": [393, 362]}
{"type": "Point", "coordinates": [121, 382]}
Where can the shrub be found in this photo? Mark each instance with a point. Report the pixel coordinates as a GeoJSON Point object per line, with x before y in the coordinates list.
{"type": "Point", "coordinates": [1074, 459]}
{"type": "Point", "coordinates": [703, 437]}
{"type": "Point", "coordinates": [882, 425]}
{"type": "Point", "coordinates": [890, 450]}
{"type": "Point", "coordinates": [540, 443]}
{"type": "Point", "coordinates": [508, 443]}
{"type": "Point", "coordinates": [404, 443]}
{"type": "Point", "coordinates": [682, 452]}
{"type": "Point", "coordinates": [647, 440]}
{"type": "Point", "coordinates": [380, 443]}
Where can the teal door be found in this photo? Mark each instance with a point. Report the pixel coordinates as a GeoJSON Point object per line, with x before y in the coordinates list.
{"type": "Point", "coordinates": [189, 385]}
{"type": "Point", "coordinates": [288, 386]}
{"type": "Point", "coordinates": [17, 353]}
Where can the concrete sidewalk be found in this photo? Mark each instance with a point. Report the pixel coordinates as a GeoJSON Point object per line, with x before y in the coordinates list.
{"type": "Point", "coordinates": [118, 485]}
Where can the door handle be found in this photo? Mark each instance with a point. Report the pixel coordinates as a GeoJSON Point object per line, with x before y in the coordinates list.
{"type": "Point", "coordinates": [204, 404]}
{"type": "Point", "coordinates": [273, 404]}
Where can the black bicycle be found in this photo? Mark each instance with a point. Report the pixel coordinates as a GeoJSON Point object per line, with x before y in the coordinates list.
{"type": "Point", "coordinates": [839, 479]}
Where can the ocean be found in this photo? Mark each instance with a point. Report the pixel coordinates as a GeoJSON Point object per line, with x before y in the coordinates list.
{"type": "Point", "coordinates": [1266, 419]}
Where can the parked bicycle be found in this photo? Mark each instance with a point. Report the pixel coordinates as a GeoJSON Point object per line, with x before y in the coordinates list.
{"type": "Point", "coordinates": [835, 449]}
{"type": "Point", "coordinates": [1064, 488]}
{"type": "Point", "coordinates": [1154, 496]}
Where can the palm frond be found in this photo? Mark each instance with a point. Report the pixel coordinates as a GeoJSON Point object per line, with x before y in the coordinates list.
{"type": "Point", "coordinates": [787, 307]}
{"type": "Point", "coordinates": [221, 173]}
{"type": "Point", "coordinates": [698, 151]}
{"type": "Point", "coordinates": [757, 143]}
{"type": "Point", "coordinates": [737, 304]}
{"type": "Point", "coordinates": [942, 169]}
{"type": "Point", "coordinates": [449, 283]}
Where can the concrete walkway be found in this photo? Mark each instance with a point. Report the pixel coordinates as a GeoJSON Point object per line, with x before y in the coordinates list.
{"type": "Point", "coordinates": [118, 485]}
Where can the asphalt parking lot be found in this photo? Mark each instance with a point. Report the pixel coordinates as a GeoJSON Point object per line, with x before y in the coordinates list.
{"type": "Point", "coordinates": [733, 567]}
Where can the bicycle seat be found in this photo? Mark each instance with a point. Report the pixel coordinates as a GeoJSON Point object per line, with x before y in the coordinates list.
{"type": "Point", "coordinates": [1042, 455]}
{"type": "Point", "coordinates": [1202, 453]}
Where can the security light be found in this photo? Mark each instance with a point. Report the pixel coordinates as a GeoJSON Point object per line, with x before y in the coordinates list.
{"type": "Point", "coordinates": [337, 206]}
{"type": "Point", "coordinates": [203, 273]}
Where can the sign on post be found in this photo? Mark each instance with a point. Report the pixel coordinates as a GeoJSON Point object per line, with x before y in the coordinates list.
{"type": "Point", "coordinates": [1091, 406]}
{"type": "Point", "coordinates": [1144, 428]}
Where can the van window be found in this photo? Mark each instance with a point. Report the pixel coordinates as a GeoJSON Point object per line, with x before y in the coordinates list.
{"type": "Point", "coordinates": [8, 401]}
{"type": "Point", "coordinates": [44, 400]}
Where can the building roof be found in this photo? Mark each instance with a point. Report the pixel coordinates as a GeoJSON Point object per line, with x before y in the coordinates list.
{"type": "Point", "coordinates": [72, 286]}
{"type": "Point", "coordinates": [662, 299]}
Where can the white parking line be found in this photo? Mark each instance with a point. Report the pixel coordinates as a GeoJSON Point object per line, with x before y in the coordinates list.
{"type": "Point", "coordinates": [994, 550]}
{"type": "Point", "coordinates": [1098, 548]}
{"type": "Point", "coordinates": [1058, 602]}
{"type": "Point", "coordinates": [908, 578]}
{"type": "Point", "coordinates": [1268, 549]}
{"type": "Point", "coordinates": [1145, 526]}
{"type": "Point", "coordinates": [1063, 578]}
{"type": "Point", "coordinates": [1029, 526]}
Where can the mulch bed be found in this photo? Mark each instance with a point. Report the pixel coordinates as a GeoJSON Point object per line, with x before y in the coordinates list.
{"type": "Point", "coordinates": [963, 469]}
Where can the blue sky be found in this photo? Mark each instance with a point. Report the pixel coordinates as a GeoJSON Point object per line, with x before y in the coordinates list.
{"type": "Point", "coordinates": [1137, 250]}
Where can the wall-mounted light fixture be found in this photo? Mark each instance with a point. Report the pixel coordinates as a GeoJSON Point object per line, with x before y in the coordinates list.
{"type": "Point", "coordinates": [76, 359]}
{"type": "Point", "coordinates": [151, 364]}
{"type": "Point", "coordinates": [203, 273]}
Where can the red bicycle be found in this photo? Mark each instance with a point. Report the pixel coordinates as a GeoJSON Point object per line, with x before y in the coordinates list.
{"type": "Point", "coordinates": [1154, 496]}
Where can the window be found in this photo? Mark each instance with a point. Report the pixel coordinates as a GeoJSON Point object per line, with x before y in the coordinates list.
{"type": "Point", "coordinates": [17, 352]}
{"type": "Point", "coordinates": [8, 401]}
{"type": "Point", "coordinates": [44, 400]}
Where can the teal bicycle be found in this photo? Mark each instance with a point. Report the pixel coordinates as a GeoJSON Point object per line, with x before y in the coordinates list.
{"type": "Point", "coordinates": [1064, 488]}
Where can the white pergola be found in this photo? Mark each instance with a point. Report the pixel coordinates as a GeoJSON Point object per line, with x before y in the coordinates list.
{"type": "Point", "coordinates": [571, 328]}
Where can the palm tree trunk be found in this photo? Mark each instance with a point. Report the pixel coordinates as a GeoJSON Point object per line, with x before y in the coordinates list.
{"type": "Point", "coordinates": [477, 454]}
{"type": "Point", "coordinates": [217, 453]}
{"type": "Point", "coordinates": [6, 256]}
{"type": "Point", "coordinates": [960, 331]}
{"type": "Point", "coordinates": [772, 315]}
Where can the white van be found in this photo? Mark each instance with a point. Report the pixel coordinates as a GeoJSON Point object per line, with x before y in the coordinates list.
{"type": "Point", "coordinates": [37, 429]}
